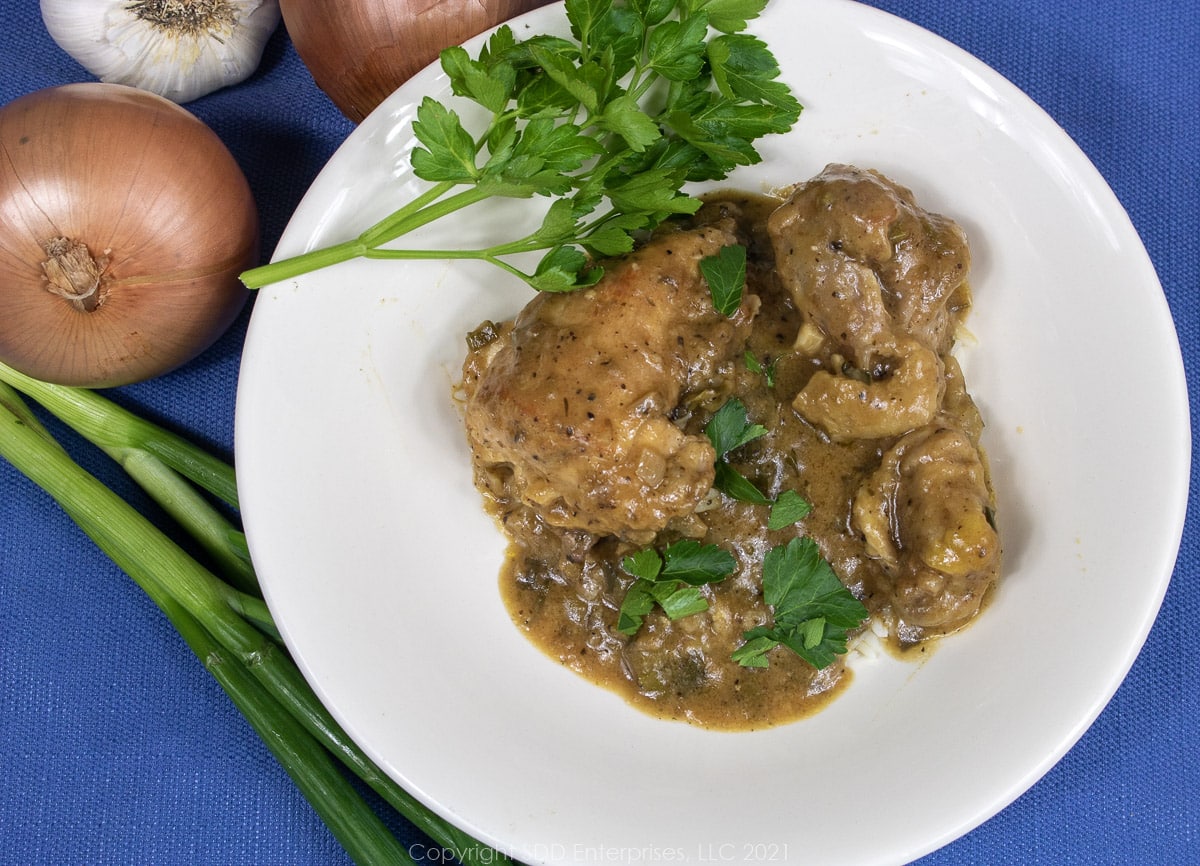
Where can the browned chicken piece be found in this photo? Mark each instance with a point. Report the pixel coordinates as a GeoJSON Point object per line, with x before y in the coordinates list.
{"type": "Point", "coordinates": [926, 513]}
{"type": "Point", "coordinates": [879, 283]}
{"type": "Point", "coordinates": [576, 399]}
{"type": "Point", "coordinates": [881, 286]}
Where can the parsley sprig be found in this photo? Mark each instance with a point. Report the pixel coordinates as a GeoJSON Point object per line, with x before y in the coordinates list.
{"type": "Point", "coordinates": [612, 123]}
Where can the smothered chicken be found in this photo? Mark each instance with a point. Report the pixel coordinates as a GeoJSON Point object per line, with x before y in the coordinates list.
{"type": "Point", "coordinates": [586, 416]}
{"type": "Point", "coordinates": [576, 397]}
{"type": "Point", "coordinates": [882, 284]}
{"type": "Point", "coordinates": [879, 281]}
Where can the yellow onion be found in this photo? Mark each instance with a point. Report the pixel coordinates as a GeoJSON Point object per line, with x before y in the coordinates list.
{"type": "Point", "coordinates": [124, 223]}
{"type": "Point", "coordinates": [359, 52]}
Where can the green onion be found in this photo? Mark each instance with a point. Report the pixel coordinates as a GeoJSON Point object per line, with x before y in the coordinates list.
{"type": "Point", "coordinates": [228, 628]}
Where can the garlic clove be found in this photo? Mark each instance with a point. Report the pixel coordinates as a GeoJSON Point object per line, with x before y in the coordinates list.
{"type": "Point", "coordinates": [180, 49]}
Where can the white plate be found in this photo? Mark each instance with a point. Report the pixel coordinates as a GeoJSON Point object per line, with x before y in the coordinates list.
{"type": "Point", "coordinates": [381, 567]}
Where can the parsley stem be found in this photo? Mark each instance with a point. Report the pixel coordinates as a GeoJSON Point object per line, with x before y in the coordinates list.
{"type": "Point", "coordinates": [525, 245]}
{"type": "Point", "coordinates": [290, 268]}
{"type": "Point", "coordinates": [506, 266]}
{"type": "Point", "coordinates": [395, 226]}
{"type": "Point", "coordinates": [490, 256]}
{"type": "Point", "coordinates": [430, 206]}
{"type": "Point", "coordinates": [398, 223]}
{"type": "Point", "coordinates": [407, 254]}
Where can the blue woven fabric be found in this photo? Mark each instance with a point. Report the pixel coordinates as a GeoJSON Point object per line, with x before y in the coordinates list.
{"type": "Point", "coordinates": [116, 747]}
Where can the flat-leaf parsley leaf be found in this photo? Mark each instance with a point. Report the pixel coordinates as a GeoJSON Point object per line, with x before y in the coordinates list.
{"type": "Point", "coordinates": [725, 274]}
{"type": "Point", "coordinates": [813, 611]}
{"type": "Point", "coordinates": [788, 507]}
{"type": "Point", "coordinates": [730, 427]}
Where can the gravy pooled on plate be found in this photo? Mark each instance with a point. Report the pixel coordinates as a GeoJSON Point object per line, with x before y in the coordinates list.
{"type": "Point", "coordinates": [586, 418]}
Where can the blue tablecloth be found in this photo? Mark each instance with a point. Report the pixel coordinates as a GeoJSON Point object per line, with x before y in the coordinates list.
{"type": "Point", "coordinates": [117, 747]}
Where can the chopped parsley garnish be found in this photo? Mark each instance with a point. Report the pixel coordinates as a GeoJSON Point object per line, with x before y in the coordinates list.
{"type": "Point", "coordinates": [725, 274]}
{"type": "Point", "coordinates": [756, 366]}
{"type": "Point", "coordinates": [788, 508]}
{"type": "Point", "coordinates": [813, 611]}
{"type": "Point", "coordinates": [672, 580]}
{"type": "Point", "coordinates": [730, 429]}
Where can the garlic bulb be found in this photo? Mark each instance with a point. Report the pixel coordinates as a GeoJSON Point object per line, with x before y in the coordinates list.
{"type": "Point", "coordinates": [180, 49]}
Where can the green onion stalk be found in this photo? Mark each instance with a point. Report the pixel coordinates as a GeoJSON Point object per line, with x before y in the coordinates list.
{"type": "Point", "coordinates": [223, 619]}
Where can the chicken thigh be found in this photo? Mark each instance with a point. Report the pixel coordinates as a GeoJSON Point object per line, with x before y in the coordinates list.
{"type": "Point", "coordinates": [573, 404]}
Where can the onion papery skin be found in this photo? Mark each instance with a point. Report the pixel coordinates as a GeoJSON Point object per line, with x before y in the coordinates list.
{"type": "Point", "coordinates": [359, 51]}
{"type": "Point", "coordinates": [154, 195]}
